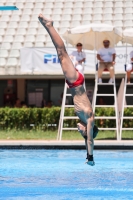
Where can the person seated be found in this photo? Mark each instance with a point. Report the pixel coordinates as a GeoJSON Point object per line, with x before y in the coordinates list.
{"type": "Point", "coordinates": [78, 57]}
{"type": "Point", "coordinates": [101, 101]}
{"type": "Point", "coordinates": [49, 104]}
{"type": "Point", "coordinates": [17, 103]}
{"type": "Point", "coordinates": [129, 67]}
{"type": "Point", "coordinates": [23, 104]}
{"type": "Point", "coordinates": [106, 57]}
{"type": "Point", "coordinates": [79, 54]}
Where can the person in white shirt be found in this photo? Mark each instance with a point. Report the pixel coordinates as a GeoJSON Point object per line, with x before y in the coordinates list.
{"type": "Point", "coordinates": [106, 57]}
{"type": "Point", "coordinates": [79, 54]}
{"type": "Point", "coordinates": [78, 58]}
{"type": "Point", "coordinates": [130, 69]}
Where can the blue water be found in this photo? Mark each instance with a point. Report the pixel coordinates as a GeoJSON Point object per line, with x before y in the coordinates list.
{"type": "Point", "coordinates": [62, 175]}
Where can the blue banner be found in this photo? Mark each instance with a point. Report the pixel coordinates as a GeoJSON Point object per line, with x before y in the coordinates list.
{"type": "Point", "coordinates": [8, 8]}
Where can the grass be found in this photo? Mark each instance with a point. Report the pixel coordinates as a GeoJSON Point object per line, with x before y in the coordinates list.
{"type": "Point", "coordinates": [51, 135]}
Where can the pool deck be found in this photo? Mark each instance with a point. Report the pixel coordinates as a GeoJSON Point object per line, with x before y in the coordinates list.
{"type": "Point", "coordinates": [65, 144]}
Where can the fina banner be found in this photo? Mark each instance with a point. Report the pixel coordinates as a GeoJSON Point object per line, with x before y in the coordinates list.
{"type": "Point", "coordinates": [45, 60]}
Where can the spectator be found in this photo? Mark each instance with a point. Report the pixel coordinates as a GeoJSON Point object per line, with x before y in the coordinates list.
{"type": "Point", "coordinates": [43, 103]}
{"type": "Point", "coordinates": [78, 58]}
{"type": "Point", "coordinates": [130, 67]}
{"type": "Point", "coordinates": [101, 101]}
{"type": "Point", "coordinates": [17, 103]}
{"type": "Point", "coordinates": [23, 104]}
{"type": "Point", "coordinates": [106, 56]}
{"type": "Point", "coordinates": [49, 104]}
{"type": "Point", "coordinates": [79, 54]}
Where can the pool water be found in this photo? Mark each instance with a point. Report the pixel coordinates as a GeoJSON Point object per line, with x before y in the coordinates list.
{"type": "Point", "coordinates": [62, 175]}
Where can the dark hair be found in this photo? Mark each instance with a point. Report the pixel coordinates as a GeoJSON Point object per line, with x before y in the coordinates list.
{"type": "Point", "coordinates": [79, 44]}
{"type": "Point", "coordinates": [106, 41]}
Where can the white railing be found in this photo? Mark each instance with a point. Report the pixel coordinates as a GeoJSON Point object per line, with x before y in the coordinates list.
{"type": "Point", "coordinates": [125, 106]}
{"type": "Point", "coordinates": [97, 85]}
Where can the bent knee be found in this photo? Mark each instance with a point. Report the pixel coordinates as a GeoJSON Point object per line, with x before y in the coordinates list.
{"type": "Point", "coordinates": [111, 68]}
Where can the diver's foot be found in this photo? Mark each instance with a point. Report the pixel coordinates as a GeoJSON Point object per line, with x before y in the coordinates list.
{"type": "Point", "coordinates": [91, 163]}
{"type": "Point", "coordinates": [44, 21]}
{"type": "Point", "coordinates": [90, 160]}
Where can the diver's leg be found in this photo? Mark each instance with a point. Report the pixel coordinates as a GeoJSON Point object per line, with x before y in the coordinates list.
{"type": "Point", "coordinates": [67, 66]}
{"type": "Point", "coordinates": [88, 134]}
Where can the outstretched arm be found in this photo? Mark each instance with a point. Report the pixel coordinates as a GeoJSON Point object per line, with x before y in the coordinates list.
{"type": "Point", "coordinates": [90, 142]}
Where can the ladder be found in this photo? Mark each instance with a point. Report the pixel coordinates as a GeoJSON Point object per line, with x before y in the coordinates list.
{"type": "Point", "coordinates": [126, 86]}
{"type": "Point", "coordinates": [62, 117]}
{"type": "Point", "coordinates": [96, 94]}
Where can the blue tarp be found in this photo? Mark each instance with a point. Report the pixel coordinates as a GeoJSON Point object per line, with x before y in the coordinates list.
{"type": "Point", "coordinates": [8, 8]}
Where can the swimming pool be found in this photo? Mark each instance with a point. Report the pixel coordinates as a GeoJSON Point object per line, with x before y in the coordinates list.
{"type": "Point", "coordinates": [62, 175]}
